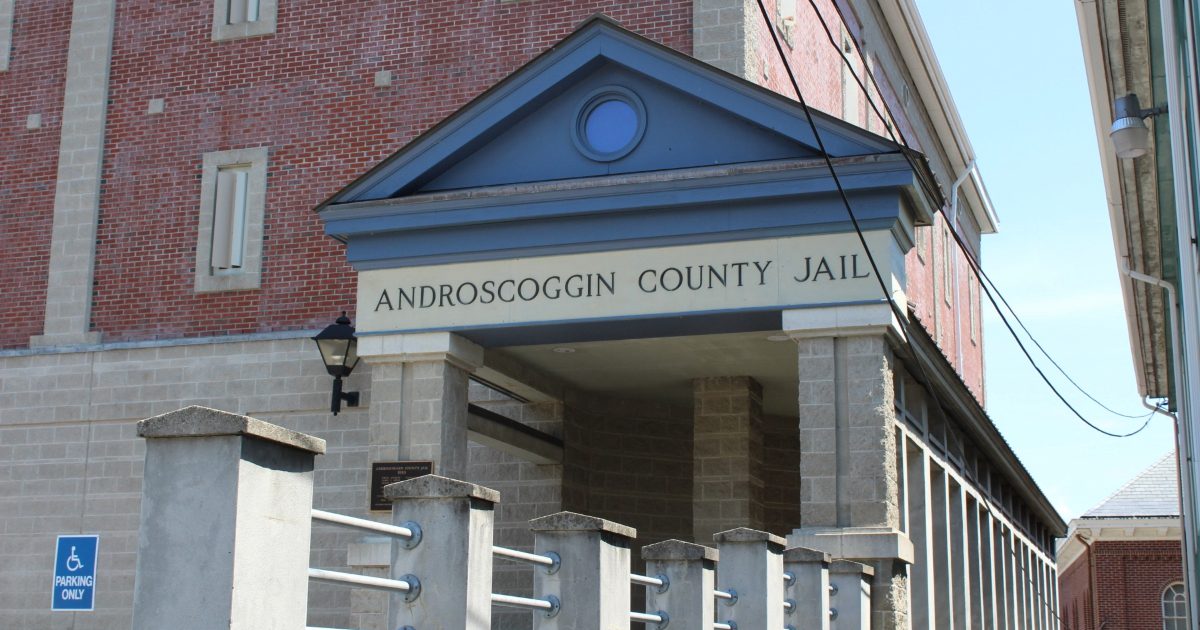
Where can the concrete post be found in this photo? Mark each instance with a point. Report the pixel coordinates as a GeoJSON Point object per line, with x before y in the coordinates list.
{"type": "Point", "coordinates": [852, 597]}
{"type": "Point", "coordinates": [752, 565]}
{"type": "Point", "coordinates": [809, 589]}
{"type": "Point", "coordinates": [689, 568]}
{"type": "Point", "coordinates": [592, 583]}
{"type": "Point", "coordinates": [225, 523]}
{"type": "Point", "coordinates": [453, 559]}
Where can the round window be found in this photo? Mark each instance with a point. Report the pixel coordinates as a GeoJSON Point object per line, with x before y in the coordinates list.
{"type": "Point", "coordinates": [610, 124]}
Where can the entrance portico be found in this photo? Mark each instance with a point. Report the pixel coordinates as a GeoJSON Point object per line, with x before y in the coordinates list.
{"type": "Point", "coordinates": [646, 260]}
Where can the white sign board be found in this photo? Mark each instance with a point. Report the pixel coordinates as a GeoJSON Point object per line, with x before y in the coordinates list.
{"type": "Point", "coordinates": [780, 272]}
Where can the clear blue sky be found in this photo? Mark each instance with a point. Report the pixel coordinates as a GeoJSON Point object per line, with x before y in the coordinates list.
{"type": "Point", "coordinates": [1015, 70]}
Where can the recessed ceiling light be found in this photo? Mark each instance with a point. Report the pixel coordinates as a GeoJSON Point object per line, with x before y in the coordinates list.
{"type": "Point", "coordinates": [564, 350]}
{"type": "Point", "coordinates": [779, 337]}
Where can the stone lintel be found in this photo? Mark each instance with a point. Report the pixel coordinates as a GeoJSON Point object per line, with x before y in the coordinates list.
{"type": "Point", "coordinates": [573, 522]}
{"type": "Point", "coordinates": [848, 566]}
{"type": "Point", "coordinates": [197, 421]}
{"type": "Point", "coordinates": [438, 487]}
{"type": "Point", "coordinates": [841, 321]}
{"type": "Point", "coordinates": [856, 544]}
{"type": "Point", "coordinates": [804, 554]}
{"type": "Point", "coordinates": [414, 347]}
{"type": "Point", "coordinates": [674, 549]}
{"type": "Point", "coordinates": [745, 534]}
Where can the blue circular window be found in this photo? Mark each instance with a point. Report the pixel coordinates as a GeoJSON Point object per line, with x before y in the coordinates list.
{"type": "Point", "coordinates": [610, 124]}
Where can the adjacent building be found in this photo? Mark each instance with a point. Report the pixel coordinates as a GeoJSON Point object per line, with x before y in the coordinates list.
{"type": "Point", "coordinates": [1141, 59]}
{"type": "Point", "coordinates": [599, 256]}
{"type": "Point", "coordinates": [1121, 563]}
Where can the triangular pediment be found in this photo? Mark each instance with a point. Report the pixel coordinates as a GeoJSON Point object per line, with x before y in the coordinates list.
{"type": "Point", "coordinates": [534, 125]}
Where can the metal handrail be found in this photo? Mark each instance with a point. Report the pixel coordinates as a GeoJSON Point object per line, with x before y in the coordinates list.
{"type": "Point", "coordinates": [550, 605]}
{"type": "Point", "coordinates": [550, 560]}
{"type": "Point", "coordinates": [408, 584]}
{"type": "Point", "coordinates": [660, 582]}
{"type": "Point", "coordinates": [660, 618]}
{"type": "Point", "coordinates": [409, 531]}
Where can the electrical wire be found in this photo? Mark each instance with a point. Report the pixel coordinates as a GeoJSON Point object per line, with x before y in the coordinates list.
{"type": "Point", "coordinates": [898, 136]}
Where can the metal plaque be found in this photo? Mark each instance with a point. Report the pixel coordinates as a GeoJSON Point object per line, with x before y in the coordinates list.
{"type": "Point", "coordinates": [383, 473]}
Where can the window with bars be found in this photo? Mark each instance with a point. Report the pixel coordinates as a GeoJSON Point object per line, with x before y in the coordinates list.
{"type": "Point", "coordinates": [1174, 607]}
{"type": "Point", "coordinates": [237, 19]}
{"type": "Point", "coordinates": [229, 237]}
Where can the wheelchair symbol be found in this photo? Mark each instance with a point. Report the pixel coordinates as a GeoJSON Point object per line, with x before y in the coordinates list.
{"type": "Point", "coordinates": [73, 562]}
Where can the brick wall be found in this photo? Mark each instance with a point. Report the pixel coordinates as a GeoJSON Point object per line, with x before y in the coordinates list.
{"type": "Point", "coordinates": [32, 86]}
{"type": "Point", "coordinates": [1130, 577]}
{"type": "Point", "coordinates": [306, 92]}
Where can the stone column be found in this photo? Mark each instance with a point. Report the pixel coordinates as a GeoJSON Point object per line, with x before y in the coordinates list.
{"type": "Point", "coordinates": [225, 524]}
{"type": "Point", "coordinates": [418, 406]}
{"type": "Point", "coordinates": [849, 464]}
{"type": "Point", "coordinates": [727, 451]}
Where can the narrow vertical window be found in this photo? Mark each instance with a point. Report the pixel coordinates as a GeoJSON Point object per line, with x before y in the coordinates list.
{"type": "Point", "coordinates": [973, 299]}
{"type": "Point", "coordinates": [229, 218]}
{"type": "Point", "coordinates": [242, 11]}
{"type": "Point", "coordinates": [6, 27]}
{"type": "Point", "coordinates": [229, 242]}
{"type": "Point", "coordinates": [947, 268]}
{"type": "Point", "coordinates": [237, 19]}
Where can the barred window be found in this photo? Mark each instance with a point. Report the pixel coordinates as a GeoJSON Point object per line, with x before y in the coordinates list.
{"type": "Point", "coordinates": [1174, 607]}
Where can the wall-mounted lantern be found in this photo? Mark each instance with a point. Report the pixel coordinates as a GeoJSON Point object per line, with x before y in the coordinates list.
{"type": "Point", "coordinates": [339, 351]}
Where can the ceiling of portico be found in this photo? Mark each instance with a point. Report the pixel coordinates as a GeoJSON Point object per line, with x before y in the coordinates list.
{"type": "Point", "coordinates": [663, 368]}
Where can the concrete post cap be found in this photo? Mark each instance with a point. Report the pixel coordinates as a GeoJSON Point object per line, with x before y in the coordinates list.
{"type": "Point", "coordinates": [804, 554]}
{"type": "Point", "coordinates": [438, 487]}
{"type": "Point", "coordinates": [747, 535]}
{"type": "Point", "coordinates": [679, 550]}
{"type": "Point", "coordinates": [572, 522]}
{"type": "Point", "coordinates": [197, 421]}
{"type": "Point", "coordinates": [849, 566]}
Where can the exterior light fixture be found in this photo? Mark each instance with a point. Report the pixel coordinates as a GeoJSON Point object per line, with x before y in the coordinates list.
{"type": "Point", "coordinates": [1130, 136]}
{"type": "Point", "coordinates": [339, 351]}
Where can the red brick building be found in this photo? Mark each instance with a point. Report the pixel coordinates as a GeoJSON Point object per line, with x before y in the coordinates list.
{"type": "Point", "coordinates": [161, 248]}
{"type": "Point", "coordinates": [1121, 564]}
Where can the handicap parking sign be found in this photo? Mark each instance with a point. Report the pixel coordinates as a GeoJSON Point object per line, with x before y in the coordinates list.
{"type": "Point", "coordinates": [75, 573]}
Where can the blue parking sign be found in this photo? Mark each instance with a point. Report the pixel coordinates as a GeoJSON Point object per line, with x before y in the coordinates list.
{"type": "Point", "coordinates": [75, 573]}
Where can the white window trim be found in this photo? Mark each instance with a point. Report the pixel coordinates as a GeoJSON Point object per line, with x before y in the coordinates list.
{"type": "Point", "coordinates": [6, 31]}
{"type": "Point", "coordinates": [264, 25]}
{"type": "Point", "coordinates": [249, 275]}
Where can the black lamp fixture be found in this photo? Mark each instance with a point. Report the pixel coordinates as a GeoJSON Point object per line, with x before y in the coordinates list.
{"type": "Point", "coordinates": [339, 351]}
{"type": "Point", "coordinates": [1130, 136]}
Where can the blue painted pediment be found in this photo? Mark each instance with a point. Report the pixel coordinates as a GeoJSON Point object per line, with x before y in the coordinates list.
{"type": "Point", "coordinates": [611, 141]}
{"type": "Point", "coordinates": [534, 125]}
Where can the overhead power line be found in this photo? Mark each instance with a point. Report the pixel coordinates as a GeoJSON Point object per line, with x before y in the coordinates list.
{"type": "Point", "coordinates": [989, 288]}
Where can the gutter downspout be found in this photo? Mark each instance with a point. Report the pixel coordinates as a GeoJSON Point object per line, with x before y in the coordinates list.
{"type": "Point", "coordinates": [1093, 600]}
{"type": "Point", "coordinates": [1183, 452]}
